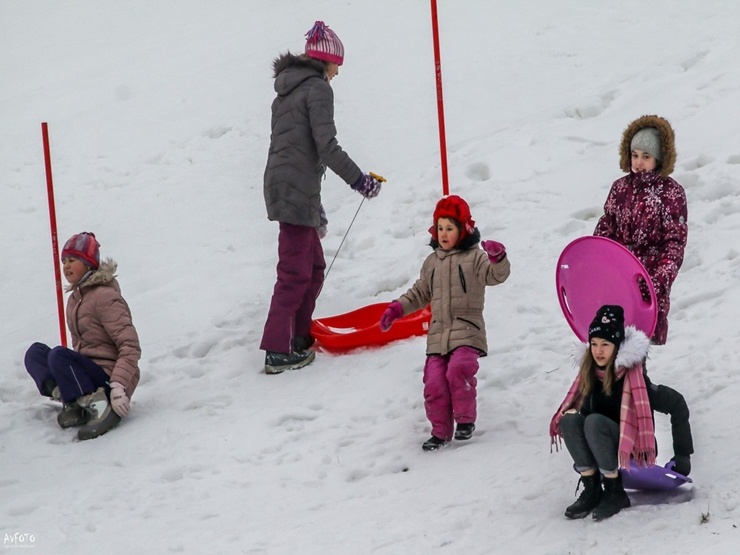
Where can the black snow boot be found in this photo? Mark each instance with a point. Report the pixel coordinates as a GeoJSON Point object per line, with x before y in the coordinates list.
{"type": "Point", "coordinates": [589, 498]}
{"type": "Point", "coordinates": [275, 363]}
{"type": "Point", "coordinates": [614, 500]}
{"type": "Point", "coordinates": [464, 431]}
{"type": "Point", "coordinates": [433, 443]}
{"type": "Point", "coordinates": [303, 342]}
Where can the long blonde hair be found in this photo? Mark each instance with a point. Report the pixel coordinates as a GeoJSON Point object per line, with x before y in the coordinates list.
{"type": "Point", "coordinates": [587, 373]}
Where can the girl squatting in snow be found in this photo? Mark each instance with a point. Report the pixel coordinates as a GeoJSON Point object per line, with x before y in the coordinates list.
{"type": "Point", "coordinates": [646, 210]}
{"type": "Point", "coordinates": [303, 143]}
{"type": "Point", "coordinates": [96, 380]}
{"type": "Point", "coordinates": [606, 417]}
{"type": "Point", "coordinates": [453, 280]}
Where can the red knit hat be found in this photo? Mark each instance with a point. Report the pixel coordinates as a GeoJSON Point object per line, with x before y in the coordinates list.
{"type": "Point", "coordinates": [457, 209]}
{"type": "Point", "coordinates": [84, 247]}
{"type": "Point", "coordinates": [323, 44]}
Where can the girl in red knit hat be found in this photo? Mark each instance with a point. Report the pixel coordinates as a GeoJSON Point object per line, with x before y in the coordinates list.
{"type": "Point", "coordinates": [453, 280]}
{"type": "Point", "coordinates": [96, 379]}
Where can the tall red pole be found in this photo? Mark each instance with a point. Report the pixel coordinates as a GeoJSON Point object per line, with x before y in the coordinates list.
{"type": "Point", "coordinates": [440, 103]}
{"type": "Point", "coordinates": [54, 241]}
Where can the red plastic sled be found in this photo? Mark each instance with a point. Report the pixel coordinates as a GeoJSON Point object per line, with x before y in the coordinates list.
{"type": "Point", "coordinates": [594, 271]}
{"type": "Point", "coordinates": [361, 328]}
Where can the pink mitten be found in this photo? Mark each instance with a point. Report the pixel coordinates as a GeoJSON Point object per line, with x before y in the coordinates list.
{"type": "Point", "coordinates": [495, 250]}
{"type": "Point", "coordinates": [119, 401]}
{"type": "Point", "coordinates": [391, 314]}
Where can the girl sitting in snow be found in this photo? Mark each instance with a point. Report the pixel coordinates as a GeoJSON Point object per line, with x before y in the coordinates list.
{"type": "Point", "coordinates": [453, 279]}
{"type": "Point", "coordinates": [95, 380]}
{"type": "Point", "coordinates": [646, 209]}
{"type": "Point", "coordinates": [606, 417]}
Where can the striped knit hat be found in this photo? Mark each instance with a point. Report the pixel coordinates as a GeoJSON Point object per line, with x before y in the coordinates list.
{"type": "Point", "coordinates": [323, 44]}
{"type": "Point", "coordinates": [84, 247]}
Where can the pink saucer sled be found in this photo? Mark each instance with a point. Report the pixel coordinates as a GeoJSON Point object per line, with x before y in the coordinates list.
{"type": "Point", "coordinates": [594, 271]}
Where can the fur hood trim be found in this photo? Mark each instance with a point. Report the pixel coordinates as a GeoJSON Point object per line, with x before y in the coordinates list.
{"type": "Point", "coordinates": [667, 141]}
{"type": "Point", "coordinates": [284, 61]}
{"type": "Point", "coordinates": [633, 350]}
{"type": "Point", "coordinates": [105, 273]}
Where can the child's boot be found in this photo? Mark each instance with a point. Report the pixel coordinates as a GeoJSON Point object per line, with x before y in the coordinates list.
{"type": "Point", "coordinates": [589, 498]}
{"type": "Point", "coordinates": [614, 500]}
{"type": "Point", "coordinates": [433, 443]}
{"type": "Point", "coordinates": [102, 417]}
{"type": "Point", "coordinates": [464, 431]}
{"type": "Point", "coordinates": [72, 415]}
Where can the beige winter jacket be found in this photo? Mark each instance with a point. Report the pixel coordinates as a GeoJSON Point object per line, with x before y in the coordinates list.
{"type": "Point", "coordinates": [454, 283]}
{"type": "Point", "coordinates": [100, 323]}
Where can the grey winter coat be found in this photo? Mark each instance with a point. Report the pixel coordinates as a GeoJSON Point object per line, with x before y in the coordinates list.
{"type": "Point", "coordinates": [302, 143]}
{"type": "Point", "coordinates": [454, 283]}
{"type": "Point", "coordinates": [100, 323]}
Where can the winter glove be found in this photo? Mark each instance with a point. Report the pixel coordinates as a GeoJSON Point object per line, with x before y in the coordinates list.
{"type": "Point", "coordinates": [323, 223]}
{"type": "Point", "coordinates": [495, 251]}
{"type": "Point", "coordinates": [368, 185]}
{"type": "Point", "coordinates": [119, 401]}
{"type": "Point", "coordinates": [682, 464]}
{"type": "Point", "coordinates": [391, 314]}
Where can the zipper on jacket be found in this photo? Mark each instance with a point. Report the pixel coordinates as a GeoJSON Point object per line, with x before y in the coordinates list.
{"type": "Point", "coordinates": [462, 279]}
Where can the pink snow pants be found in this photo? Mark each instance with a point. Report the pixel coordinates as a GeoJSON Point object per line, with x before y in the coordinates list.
{"type": "Point", "coordinates": [450, 390]}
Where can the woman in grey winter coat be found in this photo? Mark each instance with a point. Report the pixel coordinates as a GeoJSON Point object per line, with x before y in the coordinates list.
{"type": "Point", "coordinates": [303, 144]}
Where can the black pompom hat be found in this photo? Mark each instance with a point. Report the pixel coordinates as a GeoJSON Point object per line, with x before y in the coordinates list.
{"type": "Point", "coordinates": [608, 324]}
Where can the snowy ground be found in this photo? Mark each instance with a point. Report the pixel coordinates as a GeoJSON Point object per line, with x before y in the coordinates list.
{"type": "Point", "coordinates": [159, 122]}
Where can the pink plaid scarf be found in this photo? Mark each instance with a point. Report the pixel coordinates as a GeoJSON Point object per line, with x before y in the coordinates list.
{"type": "Point", "coordinates": [636, 432]}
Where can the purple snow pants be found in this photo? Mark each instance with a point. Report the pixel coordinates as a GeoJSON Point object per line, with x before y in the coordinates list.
{"type": "Point", "coordinates": [75, 374]}
{"type": "Point", "coordinates": [300, 275]}
{"type": "Point", "coordinates": [450, 390]}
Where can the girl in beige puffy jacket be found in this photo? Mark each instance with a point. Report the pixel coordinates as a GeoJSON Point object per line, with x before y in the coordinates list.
{"type": "Point", "coordinates": [453, 280]}
{"type": "Point", "coordinates": [96, 379]}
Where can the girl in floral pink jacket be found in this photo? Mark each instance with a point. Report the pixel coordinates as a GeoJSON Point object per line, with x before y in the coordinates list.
{"type": "Point", "coordinates": [96, 379]}
{"type": "Point", "coordinates": [646, 209]}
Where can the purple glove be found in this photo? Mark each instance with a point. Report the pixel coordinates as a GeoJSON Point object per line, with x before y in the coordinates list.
{"type": "Point", "coordinates": [367, 186]}
{"type": "Point", "coordinates": [391, 314]}
{"type": "Point", "coordinates": [323, 223]}
{"type": "Point", "coordinates": [495, 251]}
{"type": "Point", "coordinates": [119, 401]}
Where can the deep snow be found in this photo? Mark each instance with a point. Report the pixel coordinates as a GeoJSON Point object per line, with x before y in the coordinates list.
{"type": "Point", "coordinates": [159, 121]}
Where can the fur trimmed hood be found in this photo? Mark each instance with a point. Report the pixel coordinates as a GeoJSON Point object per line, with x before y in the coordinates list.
{"type": "Point", "coordinates": [105, 274]}
{"type": "Point", "coordinates": [667, 141]}
{"type": "Point", "coordinates": [284, 61]}
{"type": "Point", "coordinates": [633, 350]}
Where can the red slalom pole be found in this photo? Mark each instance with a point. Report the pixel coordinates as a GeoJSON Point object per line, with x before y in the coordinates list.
{"type": "Point", "coordinates": [440, 103]}
{"type": "Point", "coordinates": [54, 241]}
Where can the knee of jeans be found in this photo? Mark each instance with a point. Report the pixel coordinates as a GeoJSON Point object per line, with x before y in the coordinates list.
{"type": "Point", "coordinates": [596, 423]}
{"type": "Point", "coordinates": [570, 421]}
